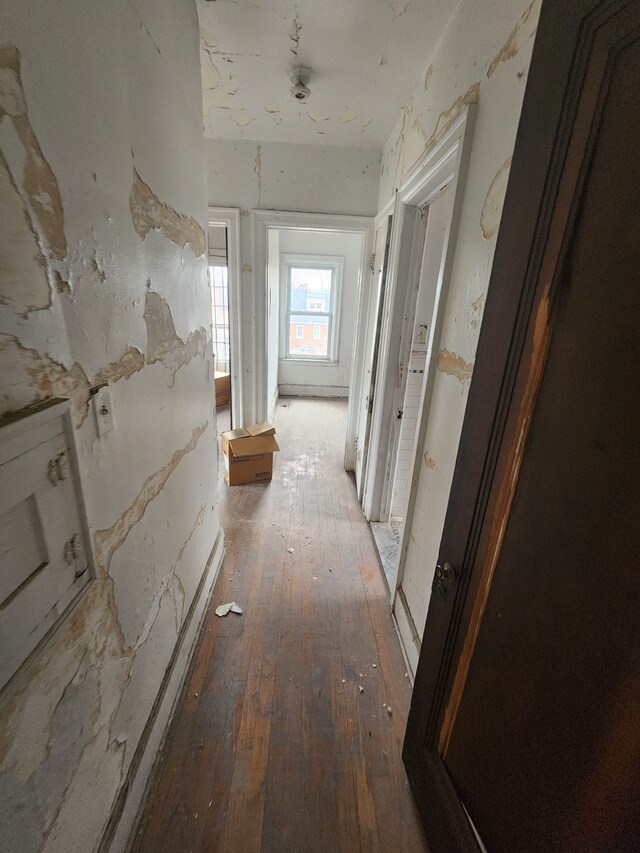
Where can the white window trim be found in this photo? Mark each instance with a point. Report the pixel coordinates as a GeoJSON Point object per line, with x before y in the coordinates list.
{"type": "Point", "coordinates": [313, 262]}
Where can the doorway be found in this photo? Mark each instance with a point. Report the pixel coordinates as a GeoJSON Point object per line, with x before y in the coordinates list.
{"type": "Point", "coordinates": [220, 326]}
{"type": "Point", "coordinates": [424, 229]}
{"type": "Point", "coordinates": [430, 227]}
{"type": "Point", "coordinates": [313, 287]}
{"type": "Point", "coordinates": [223, 271]}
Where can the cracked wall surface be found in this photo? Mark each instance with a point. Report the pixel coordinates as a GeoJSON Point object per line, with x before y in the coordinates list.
{"type": "Point", "coordinates": [482, 58]}
{"type": "Point", "coordinates": [103, 282]}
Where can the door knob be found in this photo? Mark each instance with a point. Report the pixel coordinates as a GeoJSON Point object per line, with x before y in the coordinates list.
{"type": "Point", "coordinates": [445, 576]}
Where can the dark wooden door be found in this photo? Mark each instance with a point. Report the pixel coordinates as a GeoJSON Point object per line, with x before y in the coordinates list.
{"type": "Point", "coordinates": [524, 732]}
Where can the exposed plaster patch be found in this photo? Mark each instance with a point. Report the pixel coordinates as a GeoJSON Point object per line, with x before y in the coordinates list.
{"type": "Point", "coordinates": [131, 362]}
{"type": "Point", "coordinates": [428, 76]}
{"type": "Point", "coordinates": [163, 344]}
{"type": "Point", "coordinates": [476, 311]}
{"type": "Point", "coordinates": [43, 378]}
{"type": "Point", "coordinates": [24, 285]}
{"type": "Point", "coordinates": [429, 462]}
{"type": "Point", "coordinates": [62, 286]}
{"type": "Point", "coordinates": [347, 116]}
{"type": "Point", "coordinates": [277, 118]}
{"type": "Point", "coordinates": [257, 170]}
{"type": "Point", "coordinates": [109, 540]}
{"type": "Point", "coordinates": [241, 119]}
{"type": "Point", "coordinates": [272, 109]}
{"type": "Point", "coordinates": [366, 124]}
{"type": "Point", "coordinates": [247, 268]}
{"type": "Point", "coordinates": [512, 45]}
{"type": "Point", "coordinates": [149, 213]}
{"type": "Point", "coordinates": [38, 181]}
{"type": "Point", "coordinates": [399, 7]}
{"type": "Point", "coordinates": [454, 365]}
{"type": "Point", "coordinates": [445, 118]}
{"type": "Point", "coordinates": [494, 201]}
{"type": "Point", "coordinates": [317, 117]}
{"type": "Point", "coordinates": [294, 34]}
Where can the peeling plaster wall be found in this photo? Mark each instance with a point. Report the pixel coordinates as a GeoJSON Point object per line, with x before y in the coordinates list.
{"type": "Point", "coordinates": [103, 280]}
{"type": "Point", "coordinates": [483, 56]}
{"type": "Point", "coordinates": [291, 177]}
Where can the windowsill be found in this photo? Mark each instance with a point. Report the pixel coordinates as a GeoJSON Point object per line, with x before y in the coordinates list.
{"type": "Point", "coordinates": [323, 361]}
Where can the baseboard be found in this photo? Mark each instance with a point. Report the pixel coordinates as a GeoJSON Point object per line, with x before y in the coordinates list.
{"type": "Point", "coordinates": [407, 633]}
{"type": "Point", "coordinates": [314, 391]}
{"type": "Point", "coordinates": [118, 835]}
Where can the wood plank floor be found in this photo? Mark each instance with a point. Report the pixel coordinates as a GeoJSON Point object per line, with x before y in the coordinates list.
{"type": "Point", "coordinates": [275, 748]}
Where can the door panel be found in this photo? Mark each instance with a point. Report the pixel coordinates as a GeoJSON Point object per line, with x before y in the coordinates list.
{"type": "Point", "coordinates": [538, 747]}
{"type": "Point", "coordinates": [525, 716]}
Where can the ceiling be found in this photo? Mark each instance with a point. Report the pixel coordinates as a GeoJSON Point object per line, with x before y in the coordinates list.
{"type": "Point", "coordinates": [365, 55]}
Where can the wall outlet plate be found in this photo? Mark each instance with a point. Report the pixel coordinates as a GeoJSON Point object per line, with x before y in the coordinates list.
{"type": "Point", "coordinates": [101, 401]}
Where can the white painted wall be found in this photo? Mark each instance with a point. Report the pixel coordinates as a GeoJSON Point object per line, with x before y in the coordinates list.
{"type": "Point", "coordinates": [328, 379]}
{"type": "Point", "coordinates": [290, 177]}
{"type": "Point", "coordinates": [273, 317]}
{"type": "Point", "coordinates": [106, 89]}
{"type": "Point", "coordinates": [483, 55]}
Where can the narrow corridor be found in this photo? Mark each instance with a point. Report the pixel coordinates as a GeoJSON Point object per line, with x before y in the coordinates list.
{"type": "Point", "coordinates": [275, 748]}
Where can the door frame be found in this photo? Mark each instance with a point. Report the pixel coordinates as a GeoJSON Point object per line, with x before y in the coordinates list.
{"type": "Point", "coordinates": [555, 132]}
{"type": "Point", "coordinates": [445, 164]}
{"type": "Point", "coordinates": [230, 218]}
{"type": "Point", "coordinates": [368, 332]}
{"type": "Point", "coordinates": [261, 222]}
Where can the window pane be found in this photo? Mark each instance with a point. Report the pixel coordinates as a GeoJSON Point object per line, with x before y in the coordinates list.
{"type": "Point", "coordinates": [220, 315]}
{"type": "Point", "coordinates": [310, 289]}
{"type": "Point", "coordinates": [308, 336]}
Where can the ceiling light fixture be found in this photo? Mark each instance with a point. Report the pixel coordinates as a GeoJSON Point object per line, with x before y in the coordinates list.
{"type": "Point", "coordinates": [300, 77]}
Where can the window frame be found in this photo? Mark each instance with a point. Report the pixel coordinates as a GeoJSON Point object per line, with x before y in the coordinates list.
{"type": "Point", "coordinates": [336, 265]}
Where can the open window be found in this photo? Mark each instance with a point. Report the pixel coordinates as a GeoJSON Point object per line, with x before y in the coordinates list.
{"type": "Point", "coordinates": [311, 307]}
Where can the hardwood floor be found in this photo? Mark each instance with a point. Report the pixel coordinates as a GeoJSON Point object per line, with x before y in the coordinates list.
{"type": "Point", "coordinates": [274, 747]}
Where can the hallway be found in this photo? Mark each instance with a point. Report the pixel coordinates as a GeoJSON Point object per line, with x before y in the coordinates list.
{"type": "Point", "coordinates": [275, 748]}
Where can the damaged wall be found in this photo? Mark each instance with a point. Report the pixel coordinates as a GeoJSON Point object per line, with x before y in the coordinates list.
{"type": "Point", "coordinates": [103, 280]}
{"type": "Point", "coordinates": [483, 56]}
{"type": "Point", "coordinates": [290, 177]}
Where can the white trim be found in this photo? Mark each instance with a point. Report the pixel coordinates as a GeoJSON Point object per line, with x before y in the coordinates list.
{"type": "Point", "coordinates": [459, 144]}
{"type": "Point", "coordinates": [119, 834]}
{"type": "Point", "coordinates": [230, 218]}
{"type": "Point", "coordinates": [358, 353]}
{"type": "Point", "coordinates": [441, 167]}
{"type": "Point", "coordinates": [362, 360]}
{"type": "Point", "coordinates": [261, 222]}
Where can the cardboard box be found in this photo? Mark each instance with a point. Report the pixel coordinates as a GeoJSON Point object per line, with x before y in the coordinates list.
{"type": "Point", "coordinates": [222, 382]}
{"type": "Point", "coordinates": [248, 454]}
